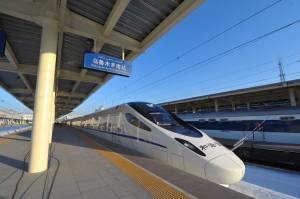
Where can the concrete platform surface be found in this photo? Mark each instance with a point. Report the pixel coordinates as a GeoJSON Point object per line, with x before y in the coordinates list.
{"type": "Point", "coordinates": [83, 166]}
{"type": "Point", "coordinates": [76, 171]}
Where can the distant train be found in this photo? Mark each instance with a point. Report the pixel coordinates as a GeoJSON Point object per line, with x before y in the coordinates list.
{"type": "Point", "coordinates": [276, 141]}
{"type": "Point", "coordinates": [151, 130]}
{"type": "Point", "coordinates": [283, 129]}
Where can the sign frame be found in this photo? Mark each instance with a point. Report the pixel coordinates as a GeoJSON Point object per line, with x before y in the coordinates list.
{"type": "Point", "coordinates": [108, 64]}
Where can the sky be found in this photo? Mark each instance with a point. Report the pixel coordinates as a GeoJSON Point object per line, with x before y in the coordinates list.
{"type": "Point", "coordinates": [252, 65]}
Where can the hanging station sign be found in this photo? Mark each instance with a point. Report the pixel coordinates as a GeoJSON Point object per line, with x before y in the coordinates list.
{"type": "Point", "coordinates": [2, 43]}
{"type": "Point", "coordinates": [105, 63]}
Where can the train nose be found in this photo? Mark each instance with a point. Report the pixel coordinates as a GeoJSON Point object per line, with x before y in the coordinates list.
{"type": "Point", "coordinates": [225, 170]}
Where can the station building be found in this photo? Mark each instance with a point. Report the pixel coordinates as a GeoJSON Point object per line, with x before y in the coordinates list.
{"type": "Point", "coordinates": [271, 97]}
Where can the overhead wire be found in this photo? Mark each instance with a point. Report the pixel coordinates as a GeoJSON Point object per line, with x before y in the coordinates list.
{"type": "Point", "coordinates": [219, 55]}
{"type": "Point", "coordinates": [248, 82]}
{"type": "Point", "coordinates": [214, 37]}
{"type": "Point", "coordinates": [247, 76]}
{"type": "Point", "coordinates": [233, 73]}
{"type": "Point", "coordinates": [236, 72]}
{"type": "Point", "coordinates": [240, 84]}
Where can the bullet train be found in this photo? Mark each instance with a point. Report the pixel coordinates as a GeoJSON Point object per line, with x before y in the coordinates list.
{"type": "Point", "coordinates": [151, 130]}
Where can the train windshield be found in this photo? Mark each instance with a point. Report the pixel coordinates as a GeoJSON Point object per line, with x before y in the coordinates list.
{"type": "Point", "coordinates": [164, 119]}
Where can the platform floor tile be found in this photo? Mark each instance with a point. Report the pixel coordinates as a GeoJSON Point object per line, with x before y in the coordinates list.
{"type": "Point", "coordinates": [75, 171]}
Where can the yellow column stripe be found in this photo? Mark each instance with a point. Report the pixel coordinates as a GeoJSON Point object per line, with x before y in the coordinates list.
{"type": "Point", "coordinates": [155, 186]}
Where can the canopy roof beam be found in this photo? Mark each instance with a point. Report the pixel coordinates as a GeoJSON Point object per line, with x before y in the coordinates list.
{"type": "Point", "coordinates": [180, 12]}
{"type": "Point", "coordinates": [10, 55]}
{"type": "Point", "coordinates": [113, 18]}
{"type": "Point", "coordinates": [69, 22]}
{"type": "Point", "coordinates": [58, 100]}
{"type": "Point", "coordinates": [64, 73]}
{"type": "Point", "coordinates": [59, 94]}
{"type": "Point", "coordinates": [73, 23]}
{"type": "Point", "coordinates": [62, 13]}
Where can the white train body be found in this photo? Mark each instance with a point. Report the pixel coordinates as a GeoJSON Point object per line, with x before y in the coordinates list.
{"type": "Point", "coordinates": [280, 127]}
{"type": "Point", "coordinates": [162, 136]}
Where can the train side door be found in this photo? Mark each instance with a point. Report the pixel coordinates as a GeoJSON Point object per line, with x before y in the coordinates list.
{"type": "Point", "coordinates": [135, 141]}
{"type": "Point", "coordinates": [118, 131]}
{"type": "Point", "coordinates": [108, 135]}
{"type": "Point", "coordinates": [144, 141]}
{"type": "Point", "coordinates": [159, 152]}
{"type": "Point", "coordinates": [131, 124]}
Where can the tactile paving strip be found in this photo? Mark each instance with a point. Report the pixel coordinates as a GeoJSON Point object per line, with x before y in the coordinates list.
{"type": "Point", "coordinates": [157, 187]}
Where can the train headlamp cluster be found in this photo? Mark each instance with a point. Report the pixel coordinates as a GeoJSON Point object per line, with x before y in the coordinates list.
{"type": "Point", "coordinates": [190, 146]}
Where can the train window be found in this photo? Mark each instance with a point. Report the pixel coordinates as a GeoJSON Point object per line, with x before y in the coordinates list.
{"type": "Point", "coordinates": [132, 120]}
{"type": "Point", "coordinates": [135, 122]}
{"type": "Point", "coordinates": [287, 118]}
{"type": "Point", "coordinates": [144, 126]}
{"type": "Point", "coordinates": [164, 119]}
{"type": "Point", "coordinates": [223, 119]}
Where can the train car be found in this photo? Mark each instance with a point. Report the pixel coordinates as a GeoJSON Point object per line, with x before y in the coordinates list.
{"type": "Point", "coordinates": [151, 130]}
{"type": "Point", "coordinates": [277, 141]}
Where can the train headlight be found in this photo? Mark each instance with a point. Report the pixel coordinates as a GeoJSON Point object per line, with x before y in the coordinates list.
{"type": "Point", "coordinates": [190, 146]}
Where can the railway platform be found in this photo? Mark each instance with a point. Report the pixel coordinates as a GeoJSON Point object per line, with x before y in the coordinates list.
{"type": "Point", "coordinates": [84, 166]}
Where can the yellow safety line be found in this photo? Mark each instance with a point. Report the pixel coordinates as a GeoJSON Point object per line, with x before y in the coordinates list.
{"type": "Point", "coordinates": [3, 140]}
{"type": "Point", "coordinates": [153, 184]}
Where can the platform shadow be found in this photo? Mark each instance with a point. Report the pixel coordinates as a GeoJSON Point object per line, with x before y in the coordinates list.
{"type": "Point", "coordinates": [11, 138]}
{"type": "Point", "coordinates": [19, 164]}
{"type": "Point", "coordinates": [70, 136]}
{"type": "Point", "coordinates": [26, 135]}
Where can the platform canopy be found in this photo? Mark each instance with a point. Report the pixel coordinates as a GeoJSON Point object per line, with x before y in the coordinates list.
{"type": "Point", "coordinates": [105, 26]}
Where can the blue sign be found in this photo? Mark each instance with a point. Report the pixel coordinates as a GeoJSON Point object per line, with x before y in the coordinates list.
{"type": "Point", "coordinates": [105, 63]}
{"type": "Point", "coordinates": [2, 43]}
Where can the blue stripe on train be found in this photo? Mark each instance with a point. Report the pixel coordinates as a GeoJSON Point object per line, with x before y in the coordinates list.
{"type": "Point", "coordinates": [130, 137]}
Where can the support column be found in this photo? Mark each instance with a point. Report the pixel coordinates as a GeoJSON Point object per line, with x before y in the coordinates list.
{"type": "Point", "coordinates": [194, 109]}
{"type": "Point", "coordinates": [176, 110]}
{"type": "Point", "coordinates": [292, 97]}
{"type": "Point", "coordinates": [233, 105]}
{"type": "Point", "coordinates": [298, 96]}
{"type": "Point", "coordinates": [248, 105]}
{"type": "Point", "coordinates": [43, 97]}
{"type": "Point", "coordinates": [216, 105]}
